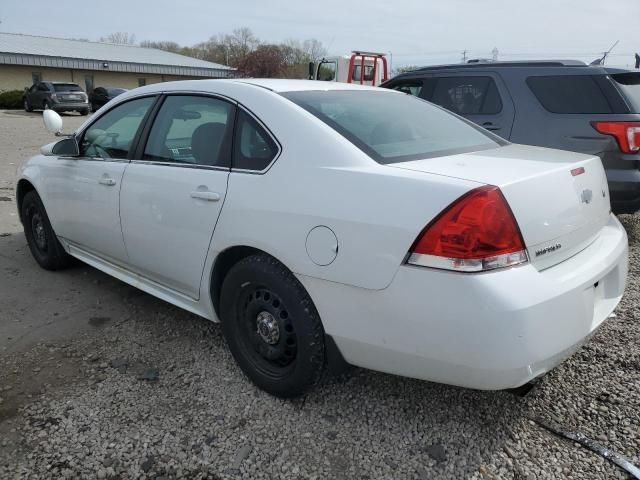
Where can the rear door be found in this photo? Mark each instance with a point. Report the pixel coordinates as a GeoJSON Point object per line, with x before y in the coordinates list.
{"type": "Point", "coordinates": [173, 191]}
{"type": "Point", "coordinates": [481, 97]}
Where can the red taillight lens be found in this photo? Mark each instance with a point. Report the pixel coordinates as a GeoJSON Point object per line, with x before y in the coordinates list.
{"type": "Point", "coordinates": [475, 233]}
{"type": "Point", "coordinates": [627, 134]}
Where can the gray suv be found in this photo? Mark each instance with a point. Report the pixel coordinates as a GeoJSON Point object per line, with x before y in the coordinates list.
{"type": "Point", "coordinates": [558, 104]}
{"type": "Point", "coordinates": [59, 96]}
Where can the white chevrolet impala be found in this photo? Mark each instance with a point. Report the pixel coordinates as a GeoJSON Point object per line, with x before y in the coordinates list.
{"type": "Point", "coordinates": [323, 223]}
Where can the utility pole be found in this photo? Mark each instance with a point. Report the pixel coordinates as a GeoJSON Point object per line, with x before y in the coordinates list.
{"type": "Point", "coordinates": [464, 56]}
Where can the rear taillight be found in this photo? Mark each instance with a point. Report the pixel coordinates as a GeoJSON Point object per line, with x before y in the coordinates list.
{"type": "Point", "coordinates": [475, 233]}
{"type": "Point", "coordinates": [627, 134]}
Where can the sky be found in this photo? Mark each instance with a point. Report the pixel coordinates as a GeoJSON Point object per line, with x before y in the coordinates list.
{"type": "Point", "coordinates": [415, 32]}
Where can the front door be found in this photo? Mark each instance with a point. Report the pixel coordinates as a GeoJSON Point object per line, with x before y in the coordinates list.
{"type": "Point", "coordinates": [83, 193]}
{"type": "Point", "coordinates": [173, 193]}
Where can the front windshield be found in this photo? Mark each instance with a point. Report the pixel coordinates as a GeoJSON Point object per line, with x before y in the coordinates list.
{"type": "Point", "coordinates": [391, 127]}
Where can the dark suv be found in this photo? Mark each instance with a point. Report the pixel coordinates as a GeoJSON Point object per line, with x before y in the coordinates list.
{"type": "Point", "coordinates": [59, 96]}
{"type": "Point", "coordinates": [559, 104]}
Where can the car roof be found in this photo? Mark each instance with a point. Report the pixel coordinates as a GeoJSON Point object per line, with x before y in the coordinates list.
{"type": "Point", "coordinates": [547, 65]}
{"type": "Point", "coordinates": [272, 84]}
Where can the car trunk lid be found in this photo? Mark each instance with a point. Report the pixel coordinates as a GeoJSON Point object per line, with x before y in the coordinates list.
{"type": "Point", "coordinates": [559, 199]}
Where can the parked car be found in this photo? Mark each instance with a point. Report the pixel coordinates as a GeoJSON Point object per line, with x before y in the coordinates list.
{"type": "Point", "coordinates": [101, 95]}
{"type": "Point", "coordinates": [320, 231]}
{"type": "Point", "coordinates": [58, 96]}
{"type": "Point", "coordinates": [559, 104]}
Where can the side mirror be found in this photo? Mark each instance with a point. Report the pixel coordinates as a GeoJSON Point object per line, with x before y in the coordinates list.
{"type": "Point", "coordinates": [312, 70]}
{"type": "Point", "coordinates": [52, 122]}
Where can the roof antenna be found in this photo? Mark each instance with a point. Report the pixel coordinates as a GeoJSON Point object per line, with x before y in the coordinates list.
{"type": "Point", "coordinates": [637, 60]}
{"type": "Point", "coordinates": [600, 61]}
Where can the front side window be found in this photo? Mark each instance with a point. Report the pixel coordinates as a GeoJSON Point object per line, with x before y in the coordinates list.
{"type": "Point", "coordinates": [192, 130]}
{"type": "Point", "coordinates": [327, 71]}
{"type": "Point", "coordinates": [390, 127]}
{"type": "Point", "coordinates": [111, 136]}
{"type": "Point", "coordinates": [412, 87]}
{"type": "Point", "coordinates": [569, 94]}
{"type": "Point", "coordinates": [468, 95]}
{"type": "Point", "coordinates": [254, 149]}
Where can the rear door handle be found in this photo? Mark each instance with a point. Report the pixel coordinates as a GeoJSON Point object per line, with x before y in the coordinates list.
{"type": "Point", "coordinates": [491, 126]}
{"type": "Point", "coordinates": [109, 182]}
{"type": "Point", "coordinates": [206, 195]}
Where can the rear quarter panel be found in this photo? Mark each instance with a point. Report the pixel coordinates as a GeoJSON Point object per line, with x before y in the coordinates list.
{"type": "Point", "coordinates": [320, 178]}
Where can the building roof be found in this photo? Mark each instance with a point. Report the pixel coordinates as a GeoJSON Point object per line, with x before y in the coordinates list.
{"type": "Point", "coordinates": [65, 53]}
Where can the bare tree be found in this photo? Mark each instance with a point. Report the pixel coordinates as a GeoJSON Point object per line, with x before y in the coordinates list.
{"type": "Point", "coordinates": [123, 38]}
{"type": "Point", "coordinates": [264, 61]}
{"type": "Point", "coordinates": [314, 49]}
{"type": "Point", "coordinates": [166, 45]}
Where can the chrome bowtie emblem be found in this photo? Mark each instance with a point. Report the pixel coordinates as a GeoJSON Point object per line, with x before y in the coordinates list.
{"type": "Point", "coordinates": [586, 196]}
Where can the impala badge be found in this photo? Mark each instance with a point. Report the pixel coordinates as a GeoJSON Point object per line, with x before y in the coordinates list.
{"type": "Point", "coordinates": [586, 196]}
{"type": "Point", "coordinates": [549, 249]}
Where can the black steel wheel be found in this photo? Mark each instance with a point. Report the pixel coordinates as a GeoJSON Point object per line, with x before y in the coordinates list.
{"type": "Point", "coordinates": [42, 240]}
{"type": "Point", "coordinates": [272, 327]}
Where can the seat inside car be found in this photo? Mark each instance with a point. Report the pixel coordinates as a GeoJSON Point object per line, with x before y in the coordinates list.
{"type": "Point", "coordinates": [206, 143]}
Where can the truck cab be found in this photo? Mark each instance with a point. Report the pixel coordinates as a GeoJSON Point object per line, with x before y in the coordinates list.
{"type": "Point", "coordinates": [364, 68]}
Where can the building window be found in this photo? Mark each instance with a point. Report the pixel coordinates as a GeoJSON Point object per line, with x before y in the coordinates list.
{"type": "Point", "coordinates": [142, 82]}
{"type": "Point", "coordinates": [88, 83]}
{"type": "Point", "coordinates": [36, 77]}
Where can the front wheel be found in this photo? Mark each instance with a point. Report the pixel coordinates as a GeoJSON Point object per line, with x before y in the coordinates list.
{"type": "Point", "coordinates": [272, 327]}
{"type": "Point", "coordinates": [42, 240]}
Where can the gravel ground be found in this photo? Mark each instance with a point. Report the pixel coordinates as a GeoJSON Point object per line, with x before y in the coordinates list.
{"type": "Point", "coordinates": [150, 391]}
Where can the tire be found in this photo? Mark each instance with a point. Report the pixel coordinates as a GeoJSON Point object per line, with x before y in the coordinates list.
{"type": "Point", "coordinates": [41, 238]}
{"type": "Point", "coordinates": [27, 107]}
{"type": "Point", "coordinates": [46, 105]}
{"type": "Point", "coordinates": [272, 327]}
{"type": "Point", "coordinates": [84, 112]}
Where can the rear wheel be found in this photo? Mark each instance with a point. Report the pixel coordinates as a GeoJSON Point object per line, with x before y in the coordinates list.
{"type": "Point", "coordinates": [42, 240]}
{"type": "Point", "coordinates": [272, 327]}
{"type": "Point", "coordinates": [27, 107]}
{"type": "Point", "coordinates": [84, 112]}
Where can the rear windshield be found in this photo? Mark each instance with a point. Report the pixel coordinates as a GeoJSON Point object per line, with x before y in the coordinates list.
{"type": "Point", "coordinates": [391, 127]}
{"type": "Point", "coordinates": [66, 87]}
{"type": "Point", "coordinates": [629, 83]}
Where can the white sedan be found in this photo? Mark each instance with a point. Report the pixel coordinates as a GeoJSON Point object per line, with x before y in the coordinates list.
{"type": "Point", "coordinates": [324, 223]}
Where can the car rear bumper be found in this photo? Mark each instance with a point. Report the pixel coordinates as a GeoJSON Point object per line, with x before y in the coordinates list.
{"type": "Point", "coordinates": [487, 331]}
{"type": "Point", "coordinates": [69, 107]}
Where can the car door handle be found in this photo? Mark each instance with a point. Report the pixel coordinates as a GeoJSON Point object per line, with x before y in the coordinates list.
{"type": "Point", "coordinates": [206, 195]}
{"type": "Point", "coordinates": [109, 182]}
{"type": "Point", "coordinates": [491, 126]}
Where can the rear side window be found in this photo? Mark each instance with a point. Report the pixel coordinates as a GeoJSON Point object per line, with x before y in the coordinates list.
{"type": "Point", "coordinates": [468, 95]}
{"type": "Point", "coordinates": [66, 87]}
{"type": "Point", "coordinates": [253, 147]}
{"type": "Point", "coordinates": [629, 83]}
{"type": "Point", "coordinates": [190, 129]}
{"type": "Point", "coordinates": [570, 94]}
